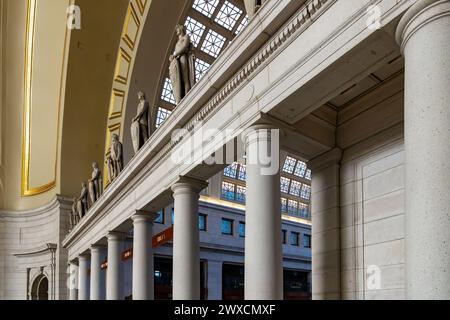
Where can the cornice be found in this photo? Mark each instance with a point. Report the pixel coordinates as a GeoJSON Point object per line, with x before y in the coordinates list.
{"type": "Point", "coordinates": [49, 247]}
{"type": "Point", "coordinates": [419, 15]}
{"type": "Point", "coordinates": [57, 202]}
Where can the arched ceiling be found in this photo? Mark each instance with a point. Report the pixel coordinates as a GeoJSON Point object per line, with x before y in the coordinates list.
{"type": "Point", "coordinates": [90, 70]}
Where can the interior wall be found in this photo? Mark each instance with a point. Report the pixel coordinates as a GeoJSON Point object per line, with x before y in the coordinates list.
{"type": "Point", "coordinates": [372, 194]}
{"type": "Point", "coordinates": [2, 95]}
{"type": "Point", "coordinates": [372, 221]}
{"type": "Point", "coordinates": [14, 23]}
{"type": "Point", "coordinates": [93, 52]}
{"type": "Point", "coordinates": [23, 244]}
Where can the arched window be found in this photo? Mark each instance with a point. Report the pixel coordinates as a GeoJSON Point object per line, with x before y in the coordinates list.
{"type": "Point", "coordinates": [212, 25]}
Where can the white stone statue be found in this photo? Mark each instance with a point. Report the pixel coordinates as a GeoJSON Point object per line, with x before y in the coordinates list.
{"type": "Point", "coordinates": [109, 163]}
{"type": "Point", "coordinates": [141, 123]}
{"type": "Point", "coordinates": [95, 183]}
{"type": "Point", "coordinates": [74, 217]}
{"type": "Point", "coordinates": [116, 156]}
{"type": "Point", "coordinates": [83, 201]}
{"type": "Point", "coordinates": [182, 65]}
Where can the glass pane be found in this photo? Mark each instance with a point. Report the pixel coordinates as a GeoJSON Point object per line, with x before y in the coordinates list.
{"type": "Point", "coordinates": [242, 173]}
{"type": "Point", "coordinates": [213, 43]}
{"type": "Point", "coordinates": [201, 68]}
{"type": "Point", "coordinates": [228, 191]}
{"type": "Point", "coordinates": [206, 7]}
{"type": "Point", "coordinates": [240, 194]}
{"type": "Point", "coordinates": [289, 165]}
{"type": "Point", "coordinates": [293, 207]}
{"type": "Point", "coordinates": [300, 169]}
{"type": "Point", "coordinates": [295, 188]}
{"type": "Point", "coordinates": [306, 241]}
{"type": "Point", "coordinates": [242, 229]}
{"type": "Point", "coordinates": [306, 192]}
{"type": "Point", "coordinates": [162, 115]}
{"type": "Point", "coordinates": [294, 239]}
{"type": "Point", "coordinates": [285, 185]}
{"type": "Point", "coordinates": [195, 29]}
{"type": "Point", "coordinates": [173, 216]}
{"type": "Point", "coordinates": [228, 15]}
{"type": "Point", "coordinates": [227, 227]}
{"type": "Point", "coordinates": [202, 222]}
{"type": "Point", "coordinates": [304, 210]}
{"type": "Point", "coordinates": [160, 218]}
{"type": "Point", "coordinates": [308, 175]}
{"type": "Point", "coordinates": [231, 171]}
{"type": "Point", "coordinates": [167, 93]}
{"type": "Point", "coordinates": [283, 205]}
{"type": "Point", "coordinates": [242, 25]}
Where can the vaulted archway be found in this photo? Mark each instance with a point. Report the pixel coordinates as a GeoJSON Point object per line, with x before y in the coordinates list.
{"type": "Point", "coordinates": [39, 288]}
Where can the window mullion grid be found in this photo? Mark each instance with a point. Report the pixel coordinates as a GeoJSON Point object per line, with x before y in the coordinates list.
{"type": "Point", "coordinates": [238, 23]}
{"type": "Point", "coordinates": [294, 177]}
{"type": "Point", "coordinates": [210, 23]}
{"type": "Point", "coordinates": [217, 10]}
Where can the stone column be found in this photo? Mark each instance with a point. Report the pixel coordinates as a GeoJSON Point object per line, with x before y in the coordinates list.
{"type": "Point", "coordinates": [263, 244]}
{"type": "Point", "coordinates": [215, 280]}
{"type": "Point", "coordinates": [424, 36]}
{"type": "Point", "coordinates": [83, 277]}
{"type": "Point", "coordinates": [325, 213]}
{"type": "Point", "coordinates": [186, 251]}
{"type": "Point", "coordinates": [143, 272]}
{"type": "Point", "coordinates": [113, 273]}
{"type": "Point", "coordinates": [98, 289]}
{"type": "Point", "coordinates": [73, 281]}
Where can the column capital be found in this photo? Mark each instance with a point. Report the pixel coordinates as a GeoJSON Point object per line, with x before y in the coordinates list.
{"type": "Point", "coordinates": [144, 216]}
{"type": "Point", "coordinates": [189, 185]}
{"type": "Point", "coordinates": [253, 133]}
{"type": "Point", "coordinates": [97, 247]}
{"type": "Point", "coordinates": [115, 236]}
{"type": "Point", "coordinates": [83, 257]}
{"type": "Point", "coordinates": [419, 15]}
{"type": "Point", "coordinates": [334, 156]}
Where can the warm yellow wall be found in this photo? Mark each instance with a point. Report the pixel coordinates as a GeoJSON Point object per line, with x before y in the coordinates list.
{"type": "Point", "coordinates": [14, 64]}
{"type": "Point", "coordinates": [93, 52]}
{"type": "Point", "coordinates": [90, 58]}
{"type": "Point", "coordinates": [46, 67]}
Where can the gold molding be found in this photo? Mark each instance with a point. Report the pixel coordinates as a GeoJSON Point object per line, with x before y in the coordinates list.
{"type": "Point", "coordinates": [126, 54]}
{"type": "Point", "coordinates": [141, 5]}
{"type": "Point", "coordinates": [123, 56]}
{"type": "Point", "coordinates": [130, 40]}
{"type": "Point", "coordinates": [116, 94]}
{"type": "Point", "coordinates": [26, 189]}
